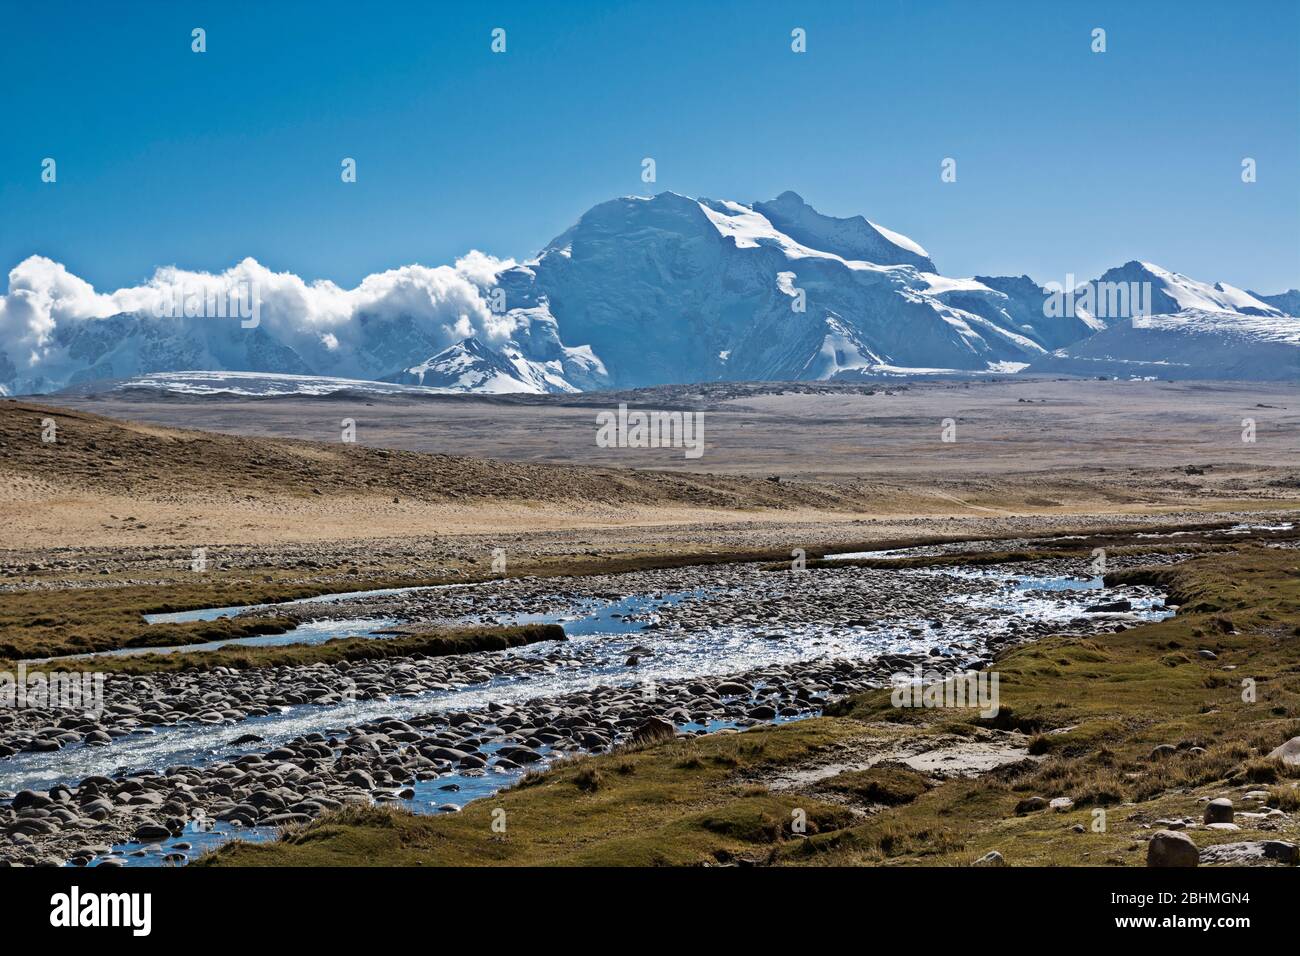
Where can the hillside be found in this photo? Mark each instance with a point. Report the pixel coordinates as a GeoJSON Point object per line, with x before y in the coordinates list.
{"type": "Point", "coordinates": [96, 454]}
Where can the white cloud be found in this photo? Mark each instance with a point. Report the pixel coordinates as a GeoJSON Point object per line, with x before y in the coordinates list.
{"type": "Point", "coordinates": [482, 269]}
{"type": "Point", "coordinates": [326, 325]}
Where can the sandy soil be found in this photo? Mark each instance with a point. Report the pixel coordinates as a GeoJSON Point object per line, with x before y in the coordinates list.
{"type": "Point", "coordinates": [841, 454]}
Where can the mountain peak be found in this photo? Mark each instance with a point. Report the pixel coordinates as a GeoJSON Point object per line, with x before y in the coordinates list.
{"type": "Point", "coordinates": [472, 366]}
{"type": "Point", "coordinates": [855, 238]}
{"type": "Point", "coordinates": [790, 198]}
{"type": "Point", "coordinates": [1172, 292]}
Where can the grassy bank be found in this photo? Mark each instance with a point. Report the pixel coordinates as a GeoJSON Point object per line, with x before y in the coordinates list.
{"type": "Point", "coordinates": [76, 620]}
{"type": "Point", "coordinates": [984, 558]}
{"type": "Point", "coordinates": [1142, 724]}
{"type": "Point", "coordinates": [653, 806]}
{"type": "Point", "coordinates": [440, 643]}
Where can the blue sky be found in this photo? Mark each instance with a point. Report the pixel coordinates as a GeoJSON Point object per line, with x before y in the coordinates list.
{"type": "Point", "coordinates": [1068, 161]}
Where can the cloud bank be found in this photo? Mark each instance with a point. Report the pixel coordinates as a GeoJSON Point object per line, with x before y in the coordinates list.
{"type": "Point", "coordinates": [49, 313]}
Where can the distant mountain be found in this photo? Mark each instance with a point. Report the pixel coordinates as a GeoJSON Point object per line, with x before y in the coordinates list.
{"type": "Point", "coordinates": [471, 366]}
{"type": "Point", "coordinates": [1191, 344]}
{"type": "Point", "coordinates": [1175, 327]}
{"type": "Point", "coordinates": [1171, 292]}
{"type": "Point", "coordinates": [655, 290]}
{"type": "Point", "coordinates": [1288, 302]}
{"type": "Point", "coordinates": [1028, 306]}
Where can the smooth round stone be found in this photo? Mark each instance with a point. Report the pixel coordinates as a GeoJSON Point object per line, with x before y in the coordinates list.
{"type": "Point", "coordinates": [1218, 811]}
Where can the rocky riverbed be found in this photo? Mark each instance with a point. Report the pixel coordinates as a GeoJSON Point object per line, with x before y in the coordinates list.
{"type": "Point", "coordinates": [176, 757]}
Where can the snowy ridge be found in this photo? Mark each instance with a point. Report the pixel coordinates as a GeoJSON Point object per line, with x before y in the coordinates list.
{"type": "Point", "coordinates": [1173, 292]}
{"type": "Point", "coordinates": [1253, 328]}
{"type": "Point", "coordinates": [263, 384]}
{"type": "Point", "coordinates": [1193, 344]}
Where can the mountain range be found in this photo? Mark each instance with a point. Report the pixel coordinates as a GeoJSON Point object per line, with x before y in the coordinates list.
{"type": "Point", "coordinates": [645, 291]}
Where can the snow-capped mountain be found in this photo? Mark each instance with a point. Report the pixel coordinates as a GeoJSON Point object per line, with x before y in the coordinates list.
{"type": "Point", "coordinates": [471, 366]}
{"type": "Point", "coordinates": [1029, 306]}
{"type": "Point", "coordinates": [674, 289]}
{"type": "Point", "coordinates": [1172, 292]}
{"type": "Point", "coordinates": [127, 344]}
{"type": "Point", "coordinates": [533, 360]}
{"type": "Point", "coordinates": [1191, 344]}
{"type": "Point", "coordinates": [646, 291]}
{"type": "Point", "coordinates": [1287, 302]}
{"type": "Point", "coordinates": [1175, 327]}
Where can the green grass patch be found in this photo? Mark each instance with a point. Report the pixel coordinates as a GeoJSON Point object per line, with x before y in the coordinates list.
{"type": "Point", "coordinates": [891, 786]}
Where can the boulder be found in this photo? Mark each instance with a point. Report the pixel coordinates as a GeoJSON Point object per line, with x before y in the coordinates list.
{"type": "Point", "coordinates": [653, 730]}
{"type": "Point", "coordinates": [1288, 753]}
{"type": "Point", "coordinates": [1171, 848]}
{"type": "Point", "coordinates": [1110, 607]}
{"type": "Point", "coordinates": [359, 778]}
{"type": "Point", "coordinates": [25, 799]}
{"type": "Point", "coordinates": [1218, 811]}
{"type": "Point", "coordinates": [1030, 805]}
{"type": "Point", "coordinates": [1252, 853]}
{"type": "Point", "coordinates": [151, 832]}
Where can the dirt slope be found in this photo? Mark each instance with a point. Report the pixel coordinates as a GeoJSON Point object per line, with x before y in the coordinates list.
{"type": "Point", "coordinates": [92, 453]}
